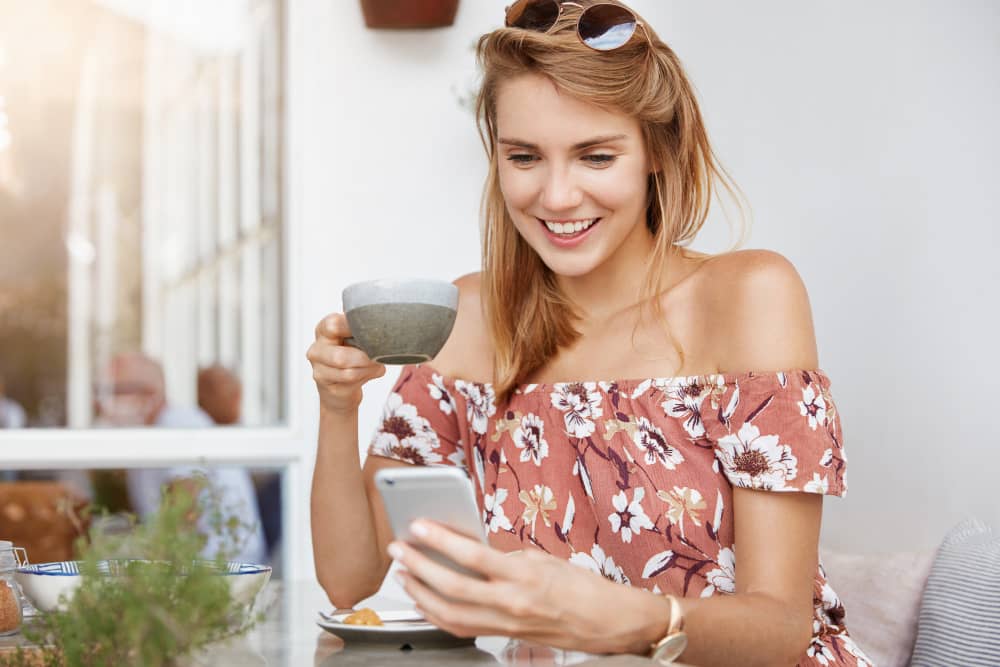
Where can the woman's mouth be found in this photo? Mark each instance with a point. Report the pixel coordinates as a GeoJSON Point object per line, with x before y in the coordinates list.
{"type": "Point", "coordinates": [568, 232]}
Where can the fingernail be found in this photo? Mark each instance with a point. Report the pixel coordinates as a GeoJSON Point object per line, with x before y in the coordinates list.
{"type": "Point", "coordinates": [419, 529]}
{"type": "Point", "coordinates": [395, 551]}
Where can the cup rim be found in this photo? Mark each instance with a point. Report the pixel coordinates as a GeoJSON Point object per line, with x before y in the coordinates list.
{"type": "Point", "coordinates": [444, 294]}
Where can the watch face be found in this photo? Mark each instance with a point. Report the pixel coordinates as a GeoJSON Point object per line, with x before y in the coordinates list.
{"type": "Point", "coordinates": [671, 648]}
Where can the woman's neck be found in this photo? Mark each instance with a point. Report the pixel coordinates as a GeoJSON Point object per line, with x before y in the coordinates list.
{"type": "Point", "coordinates": [615, 286]}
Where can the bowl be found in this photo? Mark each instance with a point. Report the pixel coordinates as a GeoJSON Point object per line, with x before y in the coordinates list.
{"type": "Point", "coordinates": [44, 583]}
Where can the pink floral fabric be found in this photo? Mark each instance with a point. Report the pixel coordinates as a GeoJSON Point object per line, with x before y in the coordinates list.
{"type": "Point", "coordinates": [632, 479]}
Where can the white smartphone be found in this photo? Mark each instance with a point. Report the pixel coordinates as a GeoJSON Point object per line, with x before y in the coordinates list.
{"type": "Point", "coordinates": [442, 494]}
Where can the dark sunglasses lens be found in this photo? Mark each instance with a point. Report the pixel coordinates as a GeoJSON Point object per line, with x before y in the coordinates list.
{"type": "Point", "coordinates": [537, 15]}
{"type": "Point", "coordinates": [606, 27]}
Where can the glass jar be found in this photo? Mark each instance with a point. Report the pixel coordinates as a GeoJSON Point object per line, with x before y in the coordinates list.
{"type": "Point", "coordinates": [11, 558]}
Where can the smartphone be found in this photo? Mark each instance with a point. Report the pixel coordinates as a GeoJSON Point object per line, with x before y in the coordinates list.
{"type": "Point", "coordinates": [442, 494]}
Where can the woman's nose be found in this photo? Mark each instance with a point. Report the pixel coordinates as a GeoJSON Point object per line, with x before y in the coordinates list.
{"type": "Point", "coordinates": [560, 192]}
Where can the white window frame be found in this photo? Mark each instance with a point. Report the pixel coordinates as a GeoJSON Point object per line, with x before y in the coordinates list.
{"type": "Point", "coordinates": [289, 448]}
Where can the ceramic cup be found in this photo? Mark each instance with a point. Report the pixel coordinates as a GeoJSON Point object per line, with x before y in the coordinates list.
{"type": "Point", "coordinates": [400, 321]}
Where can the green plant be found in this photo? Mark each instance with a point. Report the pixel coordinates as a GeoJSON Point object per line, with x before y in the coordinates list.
{"type": "Point", "coordinates": [154, 610]}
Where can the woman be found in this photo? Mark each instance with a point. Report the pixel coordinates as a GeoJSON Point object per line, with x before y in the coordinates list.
{"type": "Point", "coordinates": [631, 412]}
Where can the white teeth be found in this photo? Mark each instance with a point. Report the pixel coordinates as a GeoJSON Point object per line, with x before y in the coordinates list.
{"type": "Point", "coordinates": [569, 227]}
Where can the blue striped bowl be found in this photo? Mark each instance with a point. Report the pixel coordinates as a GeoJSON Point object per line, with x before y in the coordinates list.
{"type": "Point", "coordinates": [44, 583]}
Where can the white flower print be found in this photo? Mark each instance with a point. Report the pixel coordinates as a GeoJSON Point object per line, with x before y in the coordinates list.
{"type": "Point", "coordinates": [818, 649]}
{"type": "Point", "coordinates": [457, 459]}
{"type": "Point", "coordinates": [684, 399]}
{"type": "Point", "coordinates": [477, 460]}
{"type": "Point", "coordinates": [529, 438]}
{"type": "Point", "coordinates": [480, 403]}
{"type": "Point", "coordinates": [641, 389]}
{"type": "Point", "coordinates": [722, 578]}
{"type": "Point", "coordinates": [814, 406]}
{"type": "Point", "coordinates": [440, 393]}
{"type": "Point", "coordinates": [817, 484]}
{"type": "Point", "coordinates": [405, 435]}
{"type": "Point", "coordinates": [493, 514]}
{"type": "Point", "coordinates": [629, 517]}
{"type": "Point", "coordinates": [756, 461]}
{"type": "Point", "coordinates": [827, 458]}
{"type": "Point", "coordinates": [830, 599]}
{"type": "Point", "coordinates": [600, 563]}
{"type": "Point", "coordinates": [581, 405]}
{"type": "Point", "coordinates": [650, 439]}
{"type": "Point", "coordinates": [537, 503]}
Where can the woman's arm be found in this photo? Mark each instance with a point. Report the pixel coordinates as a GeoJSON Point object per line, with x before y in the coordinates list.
{"type": "Point", "coordinates": [349, 529]}
{"type": "Point", "coordinates": [769, 619]}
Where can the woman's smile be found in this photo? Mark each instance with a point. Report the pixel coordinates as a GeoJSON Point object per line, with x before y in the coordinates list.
{"type": "Point", "coordinates": [568, 233]}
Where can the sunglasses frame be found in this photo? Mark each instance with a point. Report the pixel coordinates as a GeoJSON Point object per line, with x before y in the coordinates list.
{"type": "Point", "coordinates": [585, 9]}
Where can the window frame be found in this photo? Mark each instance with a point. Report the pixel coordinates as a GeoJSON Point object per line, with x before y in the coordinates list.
{"type": "Point", "coordinates": [287, 448]}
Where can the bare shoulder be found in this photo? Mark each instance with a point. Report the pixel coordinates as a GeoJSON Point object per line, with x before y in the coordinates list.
{"type": "Point", "coordinates": [759, 309]}
{"type": "Point", "coordinates": [467, 354]}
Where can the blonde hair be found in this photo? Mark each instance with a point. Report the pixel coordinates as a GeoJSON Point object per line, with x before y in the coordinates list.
{"type": "Point", "coordinates": [528, 316]}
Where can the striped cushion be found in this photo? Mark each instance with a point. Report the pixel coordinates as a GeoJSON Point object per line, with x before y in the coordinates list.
{"type": "Point", "coordinates": [960, 613]}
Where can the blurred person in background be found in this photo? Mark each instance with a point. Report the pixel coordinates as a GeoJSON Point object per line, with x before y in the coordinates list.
{"type": "Point", "coordinates": [220, 396]}
{"type": "Point", "coordinates": [134, 394]}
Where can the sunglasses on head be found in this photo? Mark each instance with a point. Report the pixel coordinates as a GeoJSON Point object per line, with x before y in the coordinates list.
{"type": "Point", "coordinates": [603, 26]}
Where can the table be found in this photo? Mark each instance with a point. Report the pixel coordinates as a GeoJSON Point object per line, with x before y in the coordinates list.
{"type": "Point", "coordinates": [289, 637]}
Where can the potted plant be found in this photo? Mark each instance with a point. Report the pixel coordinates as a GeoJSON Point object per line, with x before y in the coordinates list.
{"type": "Point", "coordinates": [405, 14]}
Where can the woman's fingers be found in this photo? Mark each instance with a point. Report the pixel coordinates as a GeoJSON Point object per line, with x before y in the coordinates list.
{"type": "Point", "coordinates": [324, 352]}
{"type": "Point", "coordinates": [333, 327]}
{"type": "Point", "coordinates": [460, 618]}
{"type": "Point", "coordinates": [466, 551]}
{"type": "Point", "coordinates": [339, 370]}
{"type": "Point", "coordinates": [441, 578]}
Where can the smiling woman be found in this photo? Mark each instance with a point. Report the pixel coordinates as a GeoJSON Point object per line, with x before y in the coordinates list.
{"type": "Point", "coordinates": [645, 426]}
{"type": "Point", "coordinates": [140, 201]}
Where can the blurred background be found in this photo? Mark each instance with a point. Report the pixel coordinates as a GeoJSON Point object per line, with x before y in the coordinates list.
{"type": "Point", "coordinates": [192, 184]}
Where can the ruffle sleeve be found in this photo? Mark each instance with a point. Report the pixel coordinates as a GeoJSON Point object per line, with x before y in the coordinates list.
{"type": "Point", "coordinates": [779, 432]}
{"type": "Point", "coordinates": [419, 423]}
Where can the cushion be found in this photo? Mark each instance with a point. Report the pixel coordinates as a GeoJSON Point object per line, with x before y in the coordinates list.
{"type": "Point", "coordinates": [960, 614]}
{"type": "Point", "coordinates": [881, 596]}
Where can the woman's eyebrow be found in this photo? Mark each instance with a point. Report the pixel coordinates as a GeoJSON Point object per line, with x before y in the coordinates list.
{"type": "Point", "coordinates": [577, 147]}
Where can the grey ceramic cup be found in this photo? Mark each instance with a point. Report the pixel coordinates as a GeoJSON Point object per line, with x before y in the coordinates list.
{"type": "Point", "coordinates": [400, 321]}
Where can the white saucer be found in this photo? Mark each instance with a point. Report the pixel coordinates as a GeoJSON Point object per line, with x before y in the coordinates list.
{"type": "Point", "coordinates": [401, 627]}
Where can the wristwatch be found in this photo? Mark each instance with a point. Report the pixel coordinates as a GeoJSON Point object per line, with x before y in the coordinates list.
{"type": "Point", "coordinates": [668, 649]}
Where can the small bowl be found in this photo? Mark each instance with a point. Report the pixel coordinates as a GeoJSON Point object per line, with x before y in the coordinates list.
{"type": "Point", "coordinates": [43, 583]}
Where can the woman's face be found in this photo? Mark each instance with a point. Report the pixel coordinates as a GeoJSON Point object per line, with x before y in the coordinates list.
{"type": "Point", "coordinates": [574, 176]}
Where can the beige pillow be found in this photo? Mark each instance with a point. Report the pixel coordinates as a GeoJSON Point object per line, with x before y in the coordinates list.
{"type": "Point", "coordinates": [881, 594]}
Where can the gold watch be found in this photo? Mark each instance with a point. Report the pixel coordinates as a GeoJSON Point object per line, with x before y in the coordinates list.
{"type": "Point", "coordinates": [668, 649]}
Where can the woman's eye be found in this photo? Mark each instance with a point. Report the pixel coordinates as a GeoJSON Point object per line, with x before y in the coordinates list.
{"type": "Point", "coordinates": [600, 159]}
{"type": "Point", "coordinates": [521, 158]}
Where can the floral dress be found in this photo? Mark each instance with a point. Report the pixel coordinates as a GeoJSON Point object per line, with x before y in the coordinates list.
{"type": "Point", "coordinates": [632, 479]}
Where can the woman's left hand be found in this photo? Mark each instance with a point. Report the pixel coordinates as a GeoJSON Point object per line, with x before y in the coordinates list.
{"type": "Point", "coordinates": [527, 595]}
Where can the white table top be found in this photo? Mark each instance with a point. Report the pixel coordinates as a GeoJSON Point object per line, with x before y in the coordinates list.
{"type": "Point", "coordinates": [290, 637]}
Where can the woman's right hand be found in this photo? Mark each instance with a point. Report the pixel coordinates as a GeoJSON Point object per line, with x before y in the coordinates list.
{"type": "Point", "coordinates": [338, 369]}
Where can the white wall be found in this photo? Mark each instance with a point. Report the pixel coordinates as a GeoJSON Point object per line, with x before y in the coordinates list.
{"type": "Point", "coordinates": [865, 137]}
